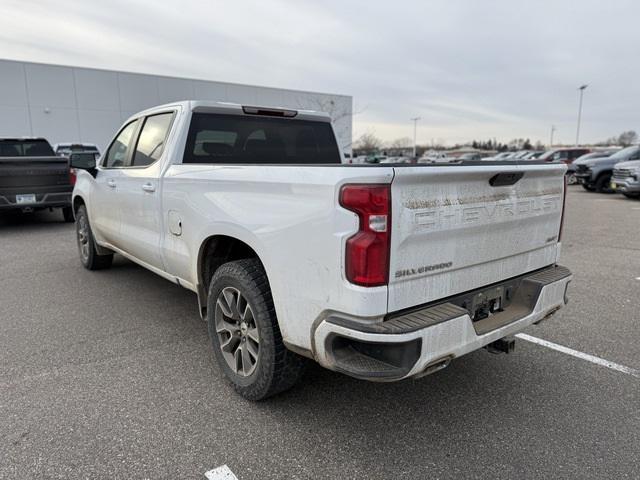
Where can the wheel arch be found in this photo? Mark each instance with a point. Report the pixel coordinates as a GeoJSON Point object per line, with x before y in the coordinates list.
{"type": "Point", "coordinates": [77, 202]}
{"type": "Point", "coordinates": [606, 171]}
{"type": "Point", "coordinates": [215, 251]}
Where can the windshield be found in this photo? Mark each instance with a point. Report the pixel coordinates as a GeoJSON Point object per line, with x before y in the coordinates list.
{"type": "Point", "coordinates": [547, 155]}
{"type": "Point", "coordinates": [624, 153]}
{"type": "Point", "coordinates": [25, 148]}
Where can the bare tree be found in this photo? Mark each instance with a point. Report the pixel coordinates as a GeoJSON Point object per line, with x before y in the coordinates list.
{"type": "Point", "coordinates": [340, 113]}
{"type": "Point", "coordinates": [368, 143]}
{"type": "Point", "coordinates": [400, 143]}
{"type": "Point", "coordinates": [628, 138]}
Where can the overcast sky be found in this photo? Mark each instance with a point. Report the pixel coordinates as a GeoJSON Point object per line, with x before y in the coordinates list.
{"type": "Point", "coordinates": [470, 69]}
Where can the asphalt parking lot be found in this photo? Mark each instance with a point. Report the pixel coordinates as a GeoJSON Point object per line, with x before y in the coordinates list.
{"type": "Point", "coordinates": [109, 375]}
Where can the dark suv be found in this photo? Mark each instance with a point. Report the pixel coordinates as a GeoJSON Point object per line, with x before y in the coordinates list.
{"type": "Point", "coordinates": [564, 155]}
{"type": "Point", "coordinates": [595, 174]}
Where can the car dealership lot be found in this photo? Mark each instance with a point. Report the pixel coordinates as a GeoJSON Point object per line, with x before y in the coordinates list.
{"type": "Point", "coordinates": [110, 375]}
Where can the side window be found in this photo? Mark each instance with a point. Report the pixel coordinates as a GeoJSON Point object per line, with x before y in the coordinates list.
{"type": "Point", "coordinates": [151, 141]}
{"type": "Point", "coordinates": [636, 155]}
{"type": "Point", "coordinates": [117, 154]}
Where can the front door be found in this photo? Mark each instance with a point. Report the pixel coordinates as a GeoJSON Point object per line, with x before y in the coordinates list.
{"type": "Point", "coordinates": [104, 214]}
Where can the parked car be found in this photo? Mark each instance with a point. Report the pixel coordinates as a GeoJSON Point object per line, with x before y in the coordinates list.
{"type": "Point", "coordinates": [376, 158]}
{"type": "Point", "coordinates": [469, 157]}
{"type": "Point", "coordinates": [626, 178]}
{"type": "Point", "coordinates": [499, 157]}
{"type": "Point", "coordinates": [373, 271]}
{"type": "Point", "coordinates": [571, 168]}
{"type": "Point", "coordinates": [520, 155]}
{"type": "Point", "coordinates": [595, 174]}
{"type": "Point", "coordinates": [564, 155]}
{"type": "Point", "coordinates": [434, 157]}
{"type": "Point", "coordinates": [32, 177]}
{"type": "Point", "coordinates": [389, 160]}
{"type": "Point", "coordinates": [533, 155]}
{"type": "Point", "coordinates": [396, 160]}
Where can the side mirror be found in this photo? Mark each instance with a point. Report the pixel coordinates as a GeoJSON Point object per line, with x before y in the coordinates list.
{"type": "Point", "coordinates": [83, 161]}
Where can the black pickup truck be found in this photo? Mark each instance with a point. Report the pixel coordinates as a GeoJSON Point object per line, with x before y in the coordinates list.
{"type": "Point", "coordinates": [32, 177]}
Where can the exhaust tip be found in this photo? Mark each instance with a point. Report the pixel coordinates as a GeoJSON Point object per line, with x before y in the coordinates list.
{"type": "Point", "coordinates": [436, 366]}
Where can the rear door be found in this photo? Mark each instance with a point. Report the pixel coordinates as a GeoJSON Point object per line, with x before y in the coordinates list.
{"type": "Point", "coordinates": [105, 205]}
{"type": "Point", "coordinates": [139, 192]}
{"type": "Point", "coordinates": [459, 227]}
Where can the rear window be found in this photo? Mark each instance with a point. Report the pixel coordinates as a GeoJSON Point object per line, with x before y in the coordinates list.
{"type": "Point", "coordinates": [239, 139]}
{"type": "Point", "coordinates": [25, 148]}
{"type": "Point", "coordinates": [84, 160]}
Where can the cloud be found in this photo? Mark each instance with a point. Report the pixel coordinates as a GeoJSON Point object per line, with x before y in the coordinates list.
{"type": "Point", "coordinates": [470, 69]}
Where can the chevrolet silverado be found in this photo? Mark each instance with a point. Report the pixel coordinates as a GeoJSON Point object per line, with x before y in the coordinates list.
{"type": "Point", "coordinates": [382, 272]}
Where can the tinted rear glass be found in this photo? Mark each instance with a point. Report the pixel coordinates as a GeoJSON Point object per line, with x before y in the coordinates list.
{"type": "Point", "coordinates": [229, 139]}
{"type": "Point", "coordinates": [83, 160]}
{"type": "Point", "coordinates": [25, 148]}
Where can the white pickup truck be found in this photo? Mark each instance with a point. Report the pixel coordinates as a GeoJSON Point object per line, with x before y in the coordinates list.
{"type": "Point", "coordinates": [381, 272]}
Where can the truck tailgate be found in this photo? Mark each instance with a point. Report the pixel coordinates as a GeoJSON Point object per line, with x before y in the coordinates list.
{"type": "Point", "coordinates": [460, 227]}
{"type": "Point", "coordinates": [20, 172]}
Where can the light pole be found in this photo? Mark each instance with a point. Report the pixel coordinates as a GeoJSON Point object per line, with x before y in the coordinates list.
{"type": "Point", "coordinates": [553, 129]}
{"type": "Point", "coordinates": [582, 89]}
{"type": "Point", "coordinates": [415, 127]}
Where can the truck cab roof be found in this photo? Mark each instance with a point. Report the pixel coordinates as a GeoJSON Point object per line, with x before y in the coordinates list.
{"type": "Point", "coordinates": [238, 109]}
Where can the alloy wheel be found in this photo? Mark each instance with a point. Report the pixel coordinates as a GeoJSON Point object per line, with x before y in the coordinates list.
{"type": "Point", "coordinates": [237, 332]}
{"type": "Point", "coordinates": [83, 237]}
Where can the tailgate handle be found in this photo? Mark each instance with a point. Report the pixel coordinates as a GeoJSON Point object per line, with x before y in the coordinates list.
{"type": "Point", "coordinates": [505, 178]}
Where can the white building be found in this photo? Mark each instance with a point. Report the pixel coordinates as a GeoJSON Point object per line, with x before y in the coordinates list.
{"type": "Point", "coordinates": [73, 104]}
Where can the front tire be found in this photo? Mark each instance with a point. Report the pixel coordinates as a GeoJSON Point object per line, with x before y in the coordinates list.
{"type": "Point", "coordinates": [603, 183]}
{"type": "Point", "coordinates": [634, 196]}
{"type": "Point", "coordinates": [89, 256]}
{"type": "Point", "coordinates": [244, 332]}
{"type": "Point", "coordinates": [588, 188]}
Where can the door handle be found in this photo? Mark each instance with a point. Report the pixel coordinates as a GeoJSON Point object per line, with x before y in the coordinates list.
{"type": "Point", "coordinates": [149, 187]}
{"type": "Point", "coordinates": [111, 183]}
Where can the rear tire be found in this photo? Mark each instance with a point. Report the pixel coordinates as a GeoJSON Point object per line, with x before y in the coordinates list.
{"type": "Point", "coordinates": [571, 179]}
{"type": "Point", "coordinates": [635, 196]}
{"type": "Point", "coordinates": [89, 256]}
{"type": "Point", "coordinates": [244, 332]}
{"type": "Point", "coordinates": [603, 183]}
{"type": "Point", "coordinates": [67, 213]}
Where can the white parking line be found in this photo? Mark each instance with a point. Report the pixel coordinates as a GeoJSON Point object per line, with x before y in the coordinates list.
{"type": "Point", "coordinates": [584, 356]}
{"type": "Point", "coordinates": [220, 473]}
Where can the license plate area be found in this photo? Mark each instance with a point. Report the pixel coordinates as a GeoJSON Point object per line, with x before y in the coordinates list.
{"type": "Point", "coordinates": [488, 302]}
{"type": "Point", "coordinates": [484, 303]}
{"type": "Point", "coordinates": [26, 198]}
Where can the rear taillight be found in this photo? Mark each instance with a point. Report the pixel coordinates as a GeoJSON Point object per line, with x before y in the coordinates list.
{"type": "Point", "coordinates": [72, 176]}
{"type": "Point", "coordinates": [564, 202]}
{"type": "Point", "coordinates": [367, 252]}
